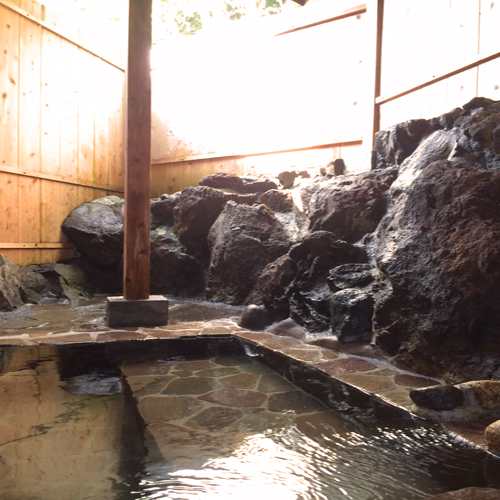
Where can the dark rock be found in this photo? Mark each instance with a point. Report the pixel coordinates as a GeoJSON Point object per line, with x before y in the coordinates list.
{"type": "Point", "coordinates": [259, 185]}
{"type": "Point", "coordinates": [304, 174]}
{"type": "Point", "coordinates": [96, 229]}
{"type": "Point", "coordinates": [173, 270]}
{"type": "Point", "coordinates": [162, 210]}
{"type": "Point", "coordinates": [287, 178]}
{"type": "Point", "coordinates": [197, 209]}
{"type": "Point", "coordinates": [10, 292]}
{"type": "Point", "coordinates": [32, 284]}
{"type": "Point", "coordinates": [492, 436]}
{"type": "Point", "coordinates": [351, 276]}
{"type": "Point", "coordinates": [321, 251]}
{"type": "Point", "coordinates": [64, 281]}
{"type": "Point", "coordinates": [222, 180]}
{"type": "Point", "coordinates": [477, 102]}
{"type": "Point", "coordinates": [352, 206]}
{"type": "Point", "coordinates": [277, 201]}
{"type": "Point", "coordinates": [351, 315]}
{"type": "Point", "coordinates": [446, 120]}
{"type": "Point", "coordinates": [398, 142]}
{"type": "Point", "coordinates": [338, 166]}
{"type": "Point", "coordinates": [438, 397]}
{"type": "Point", "coordinates": [308, 294]}
{"type": "Point", "coordinates": [256, 317]}
{"type": "Point", "coordinates": [439, 247]}
{"type": "Point", "coordinates": [310, 306]}
{"type": "Point", "coordinates": [272, 285]}
{"type": "Point", "coordinates": [472, 493]}
{"type": "Point", "coordinates": [243, 240]}
{"type": "Point", "coordinates": [93, 383]}
{"type": "Point", "coordinates": [74, 281]}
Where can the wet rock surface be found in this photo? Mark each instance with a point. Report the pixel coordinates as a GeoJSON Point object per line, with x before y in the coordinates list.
{"type": "Point", "coordinates": [242, 241]}
{"type": "Point", "coordinates": [352, 207]}
{"type": "Point", "coordinates": [469, 494]}
{"type": "Point", "coordinates": [416, 238]}
{"type": "Point", "coordinates": [96, 229]}
{"type": "Point", "coordinates": [10, 293]}
{"type": "Point", "coordinates": [469, 401]}
{"type": "Point", "coordinates": [492, 436]}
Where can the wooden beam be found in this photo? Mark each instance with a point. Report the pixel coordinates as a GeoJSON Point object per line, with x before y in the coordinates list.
{"type": "Point", "coordinates": [57, 32]}
{"type": "Point", "coordinates": [354, 11]}
{"type": "Point", "coordinates": [138, 154]}
{"type": "Point", "coordinates": [61, 179]}
{"type": "Point", "coordinates": [378, 67]}
{"type": "Point", "coordinates": [478, 62]}
{"type": "Point", "coordinates": [35, 246]}
{"type": "Point", "coordinates": [215, 157]}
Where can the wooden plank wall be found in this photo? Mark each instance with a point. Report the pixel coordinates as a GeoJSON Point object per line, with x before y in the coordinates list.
{"type": "Point", "coordinates": [169, 178]}
{"type": "Point", "coordinates": [61, 132]}
{"type": "Point", "coordinates": [425, 39]}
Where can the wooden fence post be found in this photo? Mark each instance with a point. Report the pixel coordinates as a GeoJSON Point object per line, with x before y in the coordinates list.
{"type": "Point", "coordinates": [378, 67]}
{"type": "Point", "coordinates": [136, 307]}
{"type": "Point", "coordinates": [136, 259]}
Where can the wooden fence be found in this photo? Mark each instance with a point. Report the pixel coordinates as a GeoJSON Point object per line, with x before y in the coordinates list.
{"type": "Point", "coordinates": [367, 67]}
{"type": "Point", "coordinates": [436, 55]}
{"type": "Point", "coordinates": [61, 131]}
{"type": "Point", "coordinates": [291, 97]}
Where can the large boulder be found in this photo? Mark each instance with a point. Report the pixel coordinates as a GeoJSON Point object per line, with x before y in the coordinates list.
{"type": "Point", "coordinates": [10, 292]}
{"type": "Point", "coordinates": [173, 270]}
{"type": "Point", "coordinates": [351, 206]}
{"type": "Point", "coordinates": [469, 401]}
{"type": "Point", "coordinates": [242, 241]}
{"type": "Point", "coordinates": [472, 493]}
{"type": "Point", "coordinates": [96, 230]}
{"type": "Point", "coordinates": [272, 285]}
{"type": "Point", "coordinates": [398, 142]}
{"type": "Point", "coordinates": [351, 313]}
{"type": "Point", "coordinates": [196, 210]}
{"type": "Point", "coordinates": [308, 294]}
{"type": "Point", "coordinates": [162, 210]}
{"type": "Point", "coordinates": [232, 182]}
{"type": "Point", "coordinates": [439, 249]}
{"type": "Point", "coordinates": [65, 281]}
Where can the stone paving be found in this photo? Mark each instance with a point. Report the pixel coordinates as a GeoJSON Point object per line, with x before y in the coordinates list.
{"type": "Point", "coordinates": [186, 404]}
{"type": "Point", "coordinates": [360, 366]}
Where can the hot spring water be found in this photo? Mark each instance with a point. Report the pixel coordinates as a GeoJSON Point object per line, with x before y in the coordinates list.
{"type": "Point", "coordinates": [95, 422]}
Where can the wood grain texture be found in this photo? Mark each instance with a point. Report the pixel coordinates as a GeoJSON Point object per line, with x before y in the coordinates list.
{"type": "Point", "coordinates": [69, 90]}
{"type": "Point", "coordinates": [51, 104]}
{"type": "Point", "coordinates": [9, 87]}
{"type": "Point", "coordinates": [29, 95]}
{"type": "Point", "coordinates": [138, 154]}
{"type": "Point", "coordinates": [48, 91]}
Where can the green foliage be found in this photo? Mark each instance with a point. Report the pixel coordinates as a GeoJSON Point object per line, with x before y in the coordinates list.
{"type": "Point", "coordinates": [187, 17]}
{"type": "Point", "coordinates": [188, 25]}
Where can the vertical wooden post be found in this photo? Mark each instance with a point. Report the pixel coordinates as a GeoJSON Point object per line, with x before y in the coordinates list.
{"type": "Point", "coordinates": [378, 67]}
{"type": "Point", "coordinates": [138, 153]}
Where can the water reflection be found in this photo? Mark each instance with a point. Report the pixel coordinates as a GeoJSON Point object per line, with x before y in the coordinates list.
{"type": "Point", "coordinates": [56, 444]}
{"type": "Point", "coordinates": [289, 465]}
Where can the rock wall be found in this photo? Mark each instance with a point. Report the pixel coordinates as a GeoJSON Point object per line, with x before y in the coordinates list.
{"type": "Point", "coordinates": [406, 254]}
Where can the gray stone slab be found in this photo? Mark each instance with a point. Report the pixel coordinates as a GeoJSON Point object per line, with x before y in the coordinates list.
{"type": "Point", "coordinates": [149, 312]}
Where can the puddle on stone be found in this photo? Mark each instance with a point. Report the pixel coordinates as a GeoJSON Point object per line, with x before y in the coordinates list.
{"type": "Point", "coordinates": [200, 427]}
